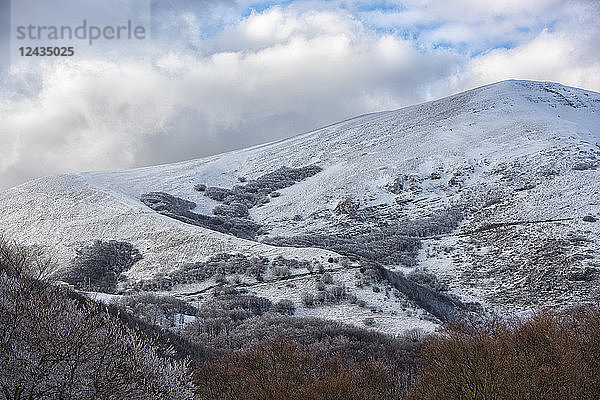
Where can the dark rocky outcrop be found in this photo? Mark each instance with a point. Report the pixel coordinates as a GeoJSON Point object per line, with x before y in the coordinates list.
{"type": "Point", "coordinates": [347, 206]}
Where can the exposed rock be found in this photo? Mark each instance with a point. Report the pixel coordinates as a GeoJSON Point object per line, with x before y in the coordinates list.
{"type": "Point", "coordinates": [396, 186]}
{"type": "Point", "coordinates": [347, 206]}
{"type": "Point", "coordinates": [435, 176]}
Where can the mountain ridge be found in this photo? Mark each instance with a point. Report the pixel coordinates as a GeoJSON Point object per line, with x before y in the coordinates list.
{"type": "Point", "coordinates": [506, 152]}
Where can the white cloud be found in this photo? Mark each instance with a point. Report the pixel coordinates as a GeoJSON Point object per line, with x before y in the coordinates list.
{"type": "Point", "coordinates": [477, 25]}
{"type": "Point", "coordinates": [569, 54]}
{"type": "Point", "coordinates": [305, 70]}
{"type": "Point", "coordinates": [274, 74]}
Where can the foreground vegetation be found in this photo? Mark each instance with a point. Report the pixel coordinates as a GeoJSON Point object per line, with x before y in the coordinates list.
{"type": "Point", "coordinates": [551, 355]}
{"type": "Point", "coordinates": [56, 344]}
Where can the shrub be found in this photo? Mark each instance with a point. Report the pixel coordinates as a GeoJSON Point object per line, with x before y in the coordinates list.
{"type": "Point", "coordinates": [425, 277]}
{"type": "Point", "coordinates": [256, 192]}
{"type": "Point", "coordinates": [388, 247]}
{"type": "Point", "coordinates": [320, 297]}
{"type": "Point", "coordinates": [388, 244]}
{"type": "Point", "coordinates": [347, 206]}
{"type": "Point", "coordinates": [281, 271]}
{"type": "Point", "coordinates": [16, 260]}
{"type": "Point", "coordinates": [100, 264]}
{"type": "Point", "coordinates": [308, 299]}
{"type": "Point", "coordinates": [157, 310]}
{"type": "Point", "coordinates": [217, 266]}
{"type": "Point", "coordinates": [286, 307]}
{"type": "Point", "coordinates": [256, 305]}
{"type": "Point", "coordinates": [217, 193]}
{"type": "Point", "coordinates": [231, 210]}
{"type": "Point", "coordinates": [548, 356]}
{"type": "Point", "coordinates": [327, 278]}
{"type": "Point", "coordinates": [55, 344]}
{"type": "Point", "coordinates": [180, 210]}
{"type": "Point", "coordinates": [414, 334]}
{"type": "Point", "coordinates": [281, 370]}
{"type": "Point", "coordinates": [224, 313]}
{"type": "Point", "coordinates": [338, 292]}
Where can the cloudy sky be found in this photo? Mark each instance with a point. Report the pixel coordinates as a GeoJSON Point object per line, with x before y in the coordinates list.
{"type": "Point", "coordinates": [217, 76]}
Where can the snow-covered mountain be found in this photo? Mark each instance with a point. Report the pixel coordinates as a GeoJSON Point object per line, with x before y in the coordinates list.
{"type": "Point", "coordinates": [483, 200]}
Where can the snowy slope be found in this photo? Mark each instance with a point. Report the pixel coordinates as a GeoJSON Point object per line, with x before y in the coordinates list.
{"type": "Point", "coordinates": [516, 152]}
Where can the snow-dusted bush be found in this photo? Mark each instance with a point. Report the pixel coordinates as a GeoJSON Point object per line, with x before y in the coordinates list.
{"type": "Point", "coordinates": [327, 278]}
{"type": "Point", "coordinates": [256, 305]}
{"type": "Point", "coordinates": [388, 245]}
{"type": "Point", "coordinates": [291, 263]}
{"type": "Point", "coordinates": [347, 206]}
{"type": "Point", "coordinates": [427, 278]}
{"type": "Point", "coordinates": [179, 209]}
{"type": "Point", "coordinates": [414, 334]}
{"type": "Point", "coordinates": [438, 304]}
{"type": "Point", "coordinates": [217, 193]}
{"type": "Point", "coordinates": [256, 192]}
{"type": "Point", "coordinates": [281, 271]}
{"type": "Point", "coordinates": [166, 203]}
{"type": "Point", "coordinates": [231, 210]}
{"type": "Point", "coordinates": [99, 265]}
{"type": "Point", "coordinates": [338, 292]}
{"type": "Point", "coordinates": [369, 321]}
{"type": "Point", "coordinates": [281, 178]}
{"type": "Point", "coordinates": [321, 297]}
{"type": "Point", "coordinates": [396, 186]}
{"type": "Point", "coordinates": [308, 299]}
{"type": "Point", "coordinates": [218, 266]}
{"type": "Point", "coordinates": [285, 306]}
{"type": "Point", "coordinates": [222, 314]}
{"type": "Point", "coordinates": [157, 310]}
{"type": "Point", "coordinates": [385, 248]}
{"type": "Point", "coordinates": [54, 346]}
{"type": "Point", "coordinates": [17, 260]}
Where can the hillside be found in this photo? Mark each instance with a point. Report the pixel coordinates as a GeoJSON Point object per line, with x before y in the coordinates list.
{"type": "Point", "coordinates": [487, 199]}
